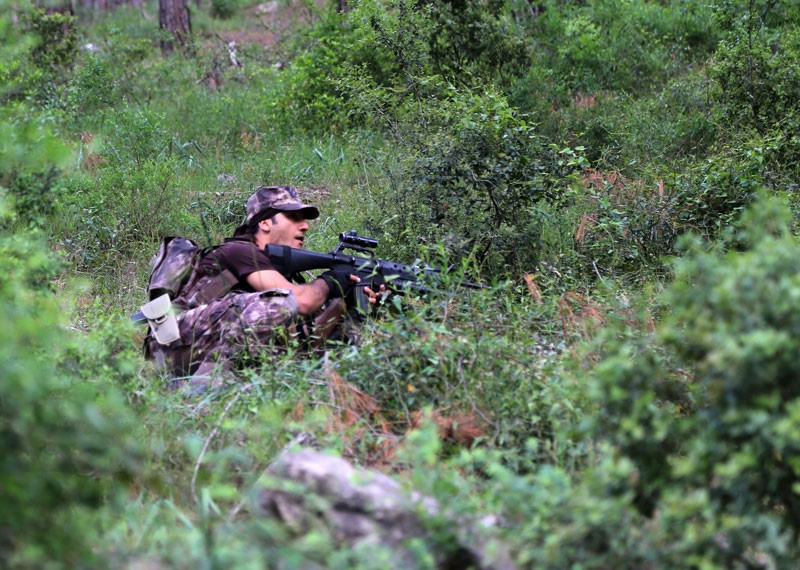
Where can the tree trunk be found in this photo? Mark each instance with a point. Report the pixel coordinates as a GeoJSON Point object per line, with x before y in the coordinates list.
{"type": "Point", "coordinates": [173, 16]}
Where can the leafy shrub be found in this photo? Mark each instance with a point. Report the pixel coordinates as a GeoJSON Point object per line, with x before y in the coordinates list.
{"type": "Point", "coordinates": [131, 198]}
{"type": "Point", "coordinates": [223, 9]}
{"type": "Point", "coordinates": [472, 181]}
{"type": "Point", "coordinates": [447, 355]}
{"type": "Point", "coordinates": [94, 86]}
{"type": "Point", "coordinates": [41, 67]}
{"type": "Point", "coordinates": [308, 96]}
{"type": "Point", "coordinates": [136, 137]}
{"type": "Point", "coordinates": [30, 164]}
{"type": "Point", "coordinates": [665, 129]}
{"type": "Point", "coordinates": [629, 225]}
{"type": "Point", "coordinates": [56, 40]}
{"type": "Point", "coordinates": [472, 41]}
{"type": "Point", "coordinates": [617, 45]}
{"type": "Point", "coordinates": [728, 349]}
{"type": "Point", "coordinates": [119, 209]}
{"type": "Point", "coordinates": [759, 79]}
{"type": "Point", "coordinates": [67, 443]}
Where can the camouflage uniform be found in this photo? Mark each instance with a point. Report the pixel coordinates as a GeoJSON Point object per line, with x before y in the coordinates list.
{"type": "Point", "coordinates": [225, 329]}
{"type": "Point", "coordinates": [219, 322]}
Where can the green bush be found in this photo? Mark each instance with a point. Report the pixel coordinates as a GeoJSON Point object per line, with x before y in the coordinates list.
{"type": "Point", "coordinates": [94, 87]}
{"type": "Point", "coordinates": [43, 71]}
{"type": "Point", "coordinates": [223, 9]}
{"type": "Point", "coordinates": [66, 442]}
{"type": "Point", "coordinates": [758, 77]}
{"type": "Point", "coordinates": [708, 407]}
{"type": "Point", "coordinates": [307, 98]}
{"type": "Point", "coordinates": [666, 129]}
{"type": "Point", "coordinates": [120, 209]}
{"type": "Point", "coordinates": [473, 41]}
{"type": "Point", "coordinates": [134, 197]}
{"type": "Point", "coordinates": [619, 45]}
{"type": "Point", "coordinates": [472, 181]}
{"type": "Point", "coordinates": [31, 158]}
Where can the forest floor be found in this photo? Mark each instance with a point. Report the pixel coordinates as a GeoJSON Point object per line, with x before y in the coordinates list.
{"type": "Point", "coordinates": [269, 22]}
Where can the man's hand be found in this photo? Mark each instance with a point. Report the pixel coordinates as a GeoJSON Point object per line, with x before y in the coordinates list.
{"type": "Point", "coordinates": [339, 281]}
{"type": "Point", "coordinates": [376, 290]}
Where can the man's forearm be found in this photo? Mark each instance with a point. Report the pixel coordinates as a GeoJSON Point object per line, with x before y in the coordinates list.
{"type": "Point", "coordinates": [310, 296]}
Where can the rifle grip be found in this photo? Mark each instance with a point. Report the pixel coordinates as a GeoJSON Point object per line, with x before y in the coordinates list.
{"type": "Point", "coordinates": [361, 300]}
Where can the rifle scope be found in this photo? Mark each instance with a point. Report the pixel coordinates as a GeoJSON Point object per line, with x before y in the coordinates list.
{"type": "Point", "coordinates": [352, 238]}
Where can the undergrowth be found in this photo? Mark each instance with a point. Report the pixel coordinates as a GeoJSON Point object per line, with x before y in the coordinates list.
{"type": "Point", "coordinates": [620, 175]}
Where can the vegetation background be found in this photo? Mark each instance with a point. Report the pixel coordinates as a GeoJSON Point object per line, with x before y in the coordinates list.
{"type": "Point", "coordinates": [624, 173]}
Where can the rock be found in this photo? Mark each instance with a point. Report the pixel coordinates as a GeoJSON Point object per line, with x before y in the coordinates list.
{"type": "Point", "coordinates": [226, 179]}
{"type": "Point", "coordinates": [361, 507]}
{"type": "Point", "coordinates": [267, 7]}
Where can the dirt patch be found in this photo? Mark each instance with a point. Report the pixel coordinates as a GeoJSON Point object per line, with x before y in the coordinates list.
{"type": "Point", "coordinates": [272, 21]}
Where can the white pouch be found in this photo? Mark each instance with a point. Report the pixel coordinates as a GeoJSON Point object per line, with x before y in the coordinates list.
{"type": "Point", "coordinates": [162, 319]}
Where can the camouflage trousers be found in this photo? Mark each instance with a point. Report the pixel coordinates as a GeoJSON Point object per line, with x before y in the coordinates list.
{"type": "Point", "coordinates": [227, 329]}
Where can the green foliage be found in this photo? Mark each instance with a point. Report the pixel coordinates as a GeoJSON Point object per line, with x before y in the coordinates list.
{"type": "Point", "coordinates": [759, 79]}
{"type": "Point", "coordinates": [28, 145]}
{"type": "Point", "coordinates": [14, 47]}
{"type": "Point", "coordinates": [119, 209]}
{"type": "Point", "coordinates": [94, 86]}
{"type": "Point", "coordinates": [473, 40]}
{"type": "Point", "coordinates": [41, 71]}
{"type": "Point", "coordinates": [402, 30]}
{"type": "Point", "coordinates": [56, 40]}
{"type": "Point", "coordinates": [707, 407]}
{"type": "Point", "coordinates": [621, 45]}
{"type": "Point", "coordinates": [447, 354]}
{"type": "Point", "coordinates": [65, 443]}
{"type": "Point", "coordinates": [472, 183]}
{"type": "Point", "coordinates": [307, 97]}
{"type": "Point", "coordinates": [30, 161]}
{"type": "Point", "coordinates": [668, 127]}
{"type": "Point", "coordinates": [739, 321]}
{"type": "Point", "coordinates": [223, 9]}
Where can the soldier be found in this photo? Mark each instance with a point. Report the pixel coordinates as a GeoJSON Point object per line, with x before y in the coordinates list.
{"type": "Point", "coordinates": [236, 301]}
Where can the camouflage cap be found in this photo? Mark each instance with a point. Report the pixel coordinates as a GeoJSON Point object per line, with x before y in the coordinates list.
{"type": "Point", "coordinates": [281, 198]}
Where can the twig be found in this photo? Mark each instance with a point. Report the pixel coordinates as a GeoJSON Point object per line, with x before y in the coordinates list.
{"type": "Point", "coordinates": [596, 270]}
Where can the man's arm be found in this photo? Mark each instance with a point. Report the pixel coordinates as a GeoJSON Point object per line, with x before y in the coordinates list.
{"type": "Point", "coordinates": [310, 296]}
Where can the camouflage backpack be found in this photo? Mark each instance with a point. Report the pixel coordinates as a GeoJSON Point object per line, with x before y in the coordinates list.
{"type": "Point", "coordinates": [172, 266]}
{"type": "Point", "coordinates": [173, 274]}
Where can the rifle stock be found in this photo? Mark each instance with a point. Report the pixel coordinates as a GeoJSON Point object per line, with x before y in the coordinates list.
{"type": "Point", "coordinates": [326, 322]}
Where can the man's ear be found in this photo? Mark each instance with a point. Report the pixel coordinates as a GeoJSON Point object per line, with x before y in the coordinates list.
{"type": "Point", "coordinates": [265, 225]}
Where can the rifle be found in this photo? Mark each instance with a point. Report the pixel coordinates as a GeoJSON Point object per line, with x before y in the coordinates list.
{"type": "Point", "coordinates": [399, 277]}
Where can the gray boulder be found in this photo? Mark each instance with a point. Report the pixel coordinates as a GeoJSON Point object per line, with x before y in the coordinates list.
{"type": "Point", "coordinates": [365, 508]}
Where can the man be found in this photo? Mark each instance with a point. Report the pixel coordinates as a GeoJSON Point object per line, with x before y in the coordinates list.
{"type": "Point", "coordinates": [236, 301]}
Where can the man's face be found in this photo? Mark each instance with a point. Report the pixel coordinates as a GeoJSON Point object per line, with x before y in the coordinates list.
{"type": "Point", "coordinates": [288, 228]}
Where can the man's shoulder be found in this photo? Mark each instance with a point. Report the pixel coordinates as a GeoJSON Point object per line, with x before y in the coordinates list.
{"type": "Point", "coordinates": [238, 244]}
{"type": "Point", "coordinates": [243, 256]}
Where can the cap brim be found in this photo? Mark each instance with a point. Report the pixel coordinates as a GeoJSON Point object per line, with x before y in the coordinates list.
{"type": "Point", "coordinates": [310, 212]}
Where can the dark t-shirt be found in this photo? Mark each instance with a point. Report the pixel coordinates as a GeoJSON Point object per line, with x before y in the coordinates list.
{"type": "Point", "coordinates": [239, 255]}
